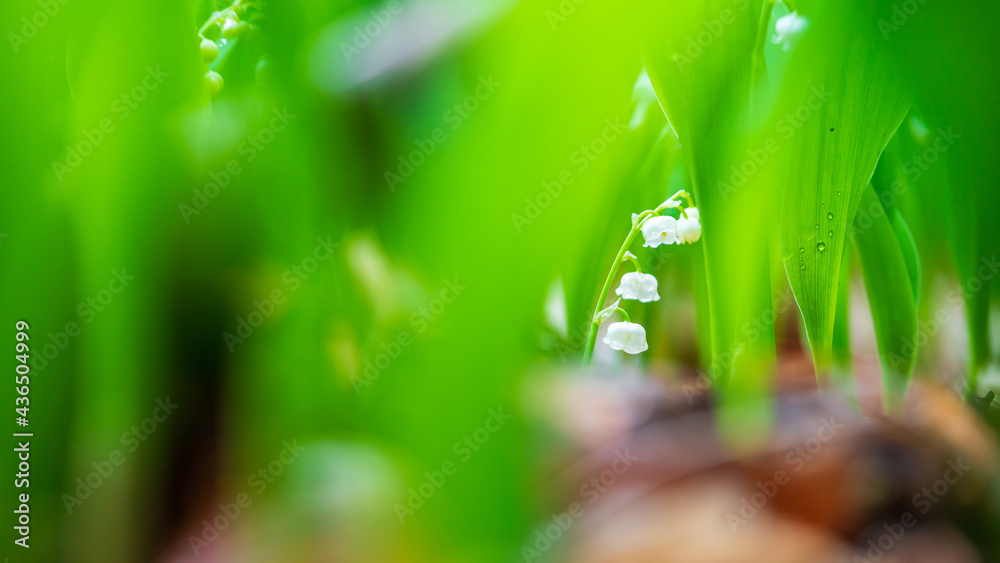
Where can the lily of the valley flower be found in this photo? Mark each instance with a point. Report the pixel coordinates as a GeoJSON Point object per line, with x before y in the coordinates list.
{"type": "Point", "coordinates": [659, 230]}
{"type": "Point", "coordinates": [689, 228]}
{"type": "Point", "coordinates": [656, 229]}
{"type": "Point", "coordinates": [638, 286]}
{"type": "Point", "coordinates": [788, 28]}
{"type": "Point", "coordinates": [627, 337]}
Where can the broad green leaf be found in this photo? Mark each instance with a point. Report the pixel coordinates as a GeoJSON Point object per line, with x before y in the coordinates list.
{"type": "Point", "coordinates": [890, 295]}
{"type": "Point", "coordinates": [700, 67]}
{"type": "Point", "coordinates": [890, 184]}
{"type": "Point", "coordinates": [955, 83]}
{"type": "Point", "coordinates": [840, 105]}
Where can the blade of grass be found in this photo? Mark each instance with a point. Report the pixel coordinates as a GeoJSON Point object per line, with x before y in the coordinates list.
{"type": "Point", "coordinates": [890, 294]}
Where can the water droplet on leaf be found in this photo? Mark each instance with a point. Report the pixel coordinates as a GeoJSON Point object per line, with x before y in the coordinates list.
{"type": "Point", "coordinates": [821, 246]}
{"type": "Point", "coordinates": [829, 216]}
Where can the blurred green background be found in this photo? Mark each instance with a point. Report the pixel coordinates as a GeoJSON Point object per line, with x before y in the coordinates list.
{"type": "Point", "coordinates": [435, 262]}
{"type": "Point", "coordinates": [337, 267]}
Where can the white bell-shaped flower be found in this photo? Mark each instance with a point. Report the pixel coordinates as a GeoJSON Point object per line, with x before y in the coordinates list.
{"type": "Point", "coordinates": [641, 287]}
{"type": "Point", "coordinates": [689, 228]}
{"type": "Point", "coordinates": [627, 337]}
{"type": "Point", "coordinates": [659, 230]}
{"type": "Point", "coordinates": [788, 28]}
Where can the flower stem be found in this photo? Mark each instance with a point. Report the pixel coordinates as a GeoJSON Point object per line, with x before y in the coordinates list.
{"type": "Point", "coordinates": [637, 221]}
{"type": "Point", "coordinates": [588, 351]}
{"type": "Point", "coordinates": [631, 258]}
{"type": "Point", "coordinates": [758, 66]}
{"type": "Point", "coordinates": [762, 28]}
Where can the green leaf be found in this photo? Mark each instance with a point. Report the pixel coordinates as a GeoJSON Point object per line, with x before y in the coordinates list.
{"type": "Point", "coordinates": [700, 66]}
{"type": "Point", "coordinates": [955, 83]}
{"type": "Point", "coordinates": [841, 372]}
{"type": "Point", "coordinates": [841, 104]}
{"type": "Point", "coordinates": [909, 248]}
{"type": "Point", "coordinates": [894, 311]}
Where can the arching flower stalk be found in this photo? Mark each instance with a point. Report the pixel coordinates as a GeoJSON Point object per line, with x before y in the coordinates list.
{"type": "Point", "coordinates": [222, 27]}
{"type": "Point", "coordinates": [656, 229]}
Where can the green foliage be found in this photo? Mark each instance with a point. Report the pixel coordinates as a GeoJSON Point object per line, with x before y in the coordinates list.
{"type": "Point", "coordinates": [891, 280]}
{"type": "Point", "coordinates": [841, 80]}
{"type": "Point", "coordinates": [700, 66]}
{"type": "Point", "coordinates": [513, 199]}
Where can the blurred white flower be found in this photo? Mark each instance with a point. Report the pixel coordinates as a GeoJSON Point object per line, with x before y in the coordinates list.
{"type": "Point", "coordinates": [641, 287]}
{"type": "Point", "coordinates": [788, 28]}
{"type": "Point", "coordinates": [659, 230]}
{"type": "Point", "coordinates": [670, 204]}
{"type": "Point", "coordinates": [689, 228]}
{"type": "Point", "coordinates": [627, 337]}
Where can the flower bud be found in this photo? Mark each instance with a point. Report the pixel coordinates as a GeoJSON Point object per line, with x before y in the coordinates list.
{"type": "Point", "coordinates": [232, 28]}
{"type": "Point", "coordinates": [209, 50]}
{"type": "Point", "coordinates": [214, 82]}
